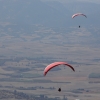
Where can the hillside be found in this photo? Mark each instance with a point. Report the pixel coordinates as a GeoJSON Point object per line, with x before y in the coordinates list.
{"type": "Point", "coordinates": [48, 13]}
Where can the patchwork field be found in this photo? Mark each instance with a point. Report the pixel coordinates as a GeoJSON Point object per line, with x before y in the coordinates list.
{"type": "Point", "coordinates": [23, 58]}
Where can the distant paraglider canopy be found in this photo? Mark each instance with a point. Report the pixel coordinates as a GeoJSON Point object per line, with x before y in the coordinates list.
{"type": "Point", "coordinates": [52, 65]}
{"type": "Point", "coordinates": [79, 14]}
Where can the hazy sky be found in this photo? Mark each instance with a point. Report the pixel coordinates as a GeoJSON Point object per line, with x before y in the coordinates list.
{"type": "Point", "coordinates": [95, 1]}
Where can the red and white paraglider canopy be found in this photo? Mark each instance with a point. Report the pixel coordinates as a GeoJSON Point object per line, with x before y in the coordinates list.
{"type": "Point", "coordinates": [79, 14]}
{"type": "Point", "coordinates": [52, 65]}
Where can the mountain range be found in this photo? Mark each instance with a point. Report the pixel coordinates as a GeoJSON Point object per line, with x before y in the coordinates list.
{"type": "Point", "coordinates": [48, 13]}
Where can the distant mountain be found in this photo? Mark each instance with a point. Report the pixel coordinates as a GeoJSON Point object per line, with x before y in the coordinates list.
{"type": "Point", "coordinates": [30, 12]}
{"type": "Point", "coordinates": [48, 13]}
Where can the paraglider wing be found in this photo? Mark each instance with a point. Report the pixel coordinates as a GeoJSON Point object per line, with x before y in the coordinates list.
{"type": "Point", "coordinates": [52, 65]}
{"type": "Point", "coordinates": [78, 14]}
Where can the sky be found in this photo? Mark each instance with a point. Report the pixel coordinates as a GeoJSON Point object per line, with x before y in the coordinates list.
{"type": "Point", "coordinates": [95, 1]}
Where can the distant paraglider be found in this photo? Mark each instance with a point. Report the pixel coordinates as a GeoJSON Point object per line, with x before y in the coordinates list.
{"type": "Point", "coordinates": [55, 64]}
{"type": "Point", "coordinates": [79, 14]}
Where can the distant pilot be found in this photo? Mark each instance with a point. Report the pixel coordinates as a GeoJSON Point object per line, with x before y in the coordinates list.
{"type": "Point", "coordinates": [59, 89]}
{"type": "Point", "coordinates": [79, 26]}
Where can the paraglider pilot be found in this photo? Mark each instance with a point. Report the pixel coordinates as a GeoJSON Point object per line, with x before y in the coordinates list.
{"type": "Point", "coordinates": [79, 26]}
{"type": "Point", "coordinates": [59, 89]}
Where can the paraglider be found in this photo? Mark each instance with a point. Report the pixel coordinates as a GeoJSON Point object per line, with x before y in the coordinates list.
{"type": "Point", "coordinates": [79, 14]}
{"type": "Point", "coordinates": [52, 65]}
{"type": "Point", "coordinates": [55, 64]}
